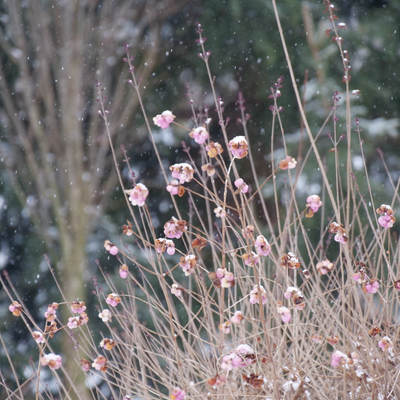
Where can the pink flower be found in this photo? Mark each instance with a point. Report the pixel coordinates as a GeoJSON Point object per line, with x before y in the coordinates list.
{"type": "Point", "coordinates": [188, 264]}
{"type": "Point", "coordinates": [314, 202]}
{"type": "Point", "coordinates": [239, 146]}
{"type": "Point", "coordinates": [100, 363]}
{"type": "Point", "coordinates": [213, 149]}
{"type": "Point", "coordinates": [85, 364]}
{"type": "Point", "coordinates": [113, 299]}
{"type": "Point", "coordinates": [340, 232]}
{"type": "Point", "coordinates": [138, 195]}
{"type": "Point", "coordinates": [263, 248]}
{"type": "Point", "coordinates": [73, 322]}
{"type": "Point", "coordinates": [288, 163]}
{"type": "Point", "coordinates": [372, 286]}
{"type": "Point", "coordinates": [164, 120]}
{"type": "Point", "coordinates": [251, 258]}
{"type": "Point", "coordinates": [324, 267]}
{"type": "Point", "coordinates": [123, 271]}
{"type": "Point", "coordinates": [107, 344]}
{"type": "Point", "coordinates": [50, 314]}
{"type": "Point", "coordinates": [78, 307]}
{"type": "Point", "coordinates": [225, 327]}
{"type": "Point", "coordinates": [176, 290]}
{"type": "Point", "coordinates": [165, 244]}
{"type": "Point", "coordinates": [177, 394]}
{"type": "Point", "coordinates": [284, 312]}
{"type": "Point", "coordinates": [184, 172]}
{"type": "Point", "coordinates": [290, 261]}
{"type": "Point", "coordinates": [38, 337]}
{"type": "Point", "coordinates": [173, 187]}
{"type": "Point", "coordinates": [105, 315]}
{"type": "Point", "coordinates": [199, 134]}
{"type": "Point", "coordinates": [290, 291]}
{"type": "Point", "coordinates": [111, 248]}
{"type": "Point", "coordinates": [240, 184]}
{"type": "Point", "coordinates": [237, 317]}
{"type": "Point", "coordinates": [220, 212]}
{"type": "Point", "coordinates": [396, 285]}
{"type": "Point", "coordinates": [217, 381]}
{"type": "Point", "coordinates": [387, 221]}
{"type": "Point", "coordinates": [254, 295]}
{"type": "Point", "coordinates": [385, 344]}
{"type": "Point", "coordinates": [174, 228]}
{"type": "Point", "coordinates": [15, 308]}
{"type": "Point", "coordinates": [338, 358]}
{"type": "Point", "coordinates": [248, 233]}
{"type": "Point", "coordinates": [297, 297]}
{"type": "Point", "coordinates": [53, 361]}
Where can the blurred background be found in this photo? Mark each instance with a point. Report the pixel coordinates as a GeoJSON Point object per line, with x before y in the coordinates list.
{"type": "Point", "coordinates": [59, 193]}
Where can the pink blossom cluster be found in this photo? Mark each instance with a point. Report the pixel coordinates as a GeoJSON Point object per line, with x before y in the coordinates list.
{"type": "Point", "coordinates": [74, 322]}
{"type": "Point", "coordinates": [15, 308]}
{"type": "Point", "coordinates": [199, 134]}
{"type": "Point", "coordinates": [188, 264]}
{"type": "Point", "coordinates": [284, 312]}
{"type": "Point", "coordinates": [107, 344]}
{"type": "Point", "coordinates": [248, 233]}
{"type": "Point", "coordinates": [78, 307]}
{"type": "Point", "coordinates": [287, 163]}
{"type": "Point", "coordinates": [251, 258]}
{"type": "Point", "coordinates": [175, 188]}
{"type": "Point", "coordinates": [263, 248]}
{"type": "Point", "coordinates": [255, 295]}
{"type": "Point", "coordinates": [368, 285]}
{"type": "Point", "coordinates": [184, 172]}
{"type": "Point", "coordinates": [123, 271]}
{"type": "Point", "coordinates": [217, 381]}
{"type": "Point", "coordinates": [339, 358]}
{"type": "Point", "coordinates": [53, 361]}
{"type": "Point", "coordinates": [290, 261]}
{"type": "Point", "coordinates": [176, 290]}
{"type": "Point", "coordinates": [340, 233]}
{"type": "Point", "coordinates": [174, 228]}
{"type": "Point", "coordinates": [239, 147]}
{"type": "Point", "coordinates": [226, 278]}
{"type": "Point", "coordinates": [113, 299]}
{"type": "Point", "coordinates": [164, 119]}
{"type": "Point", "coordinates": [213, 149]}
{"type": "Point", "coordinates": [100, 363]}
{"type": "Point", "coordinates": [138, 195]}
{"type": "Point", "coordinates": [105, 315]}
{"type": "Point", "coordinates": [177, 394]}
{"type": "Point", "coordinates": [237, 317]}
{"type": "Point", "coordinates": [240, 357]}
{"type": "Point", "coordinates": [296, 296]}
{"type": "Point", "coordinates": [323, 267]}
{"type": "Point", "coordinates": [225, 327]}
{"type": "Point", "coordinates": [50, 314]}
{"type": "Point", "coordinates": [314, 202]}
{"type": "Point", "coordinates": [38, 337]}
{"type": "Point", "coordinates": [220, 212]}
{"type": "Point", "coordinates": [165, 244]}
{"type": "Point", "coordinates": [241, 185]}
{"type": "Point", "coordinates": [386, 218]}
{"type": "Point", "coordinates": [111, 248]}
{"type": "Point", "coordinates": [385, 343]}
